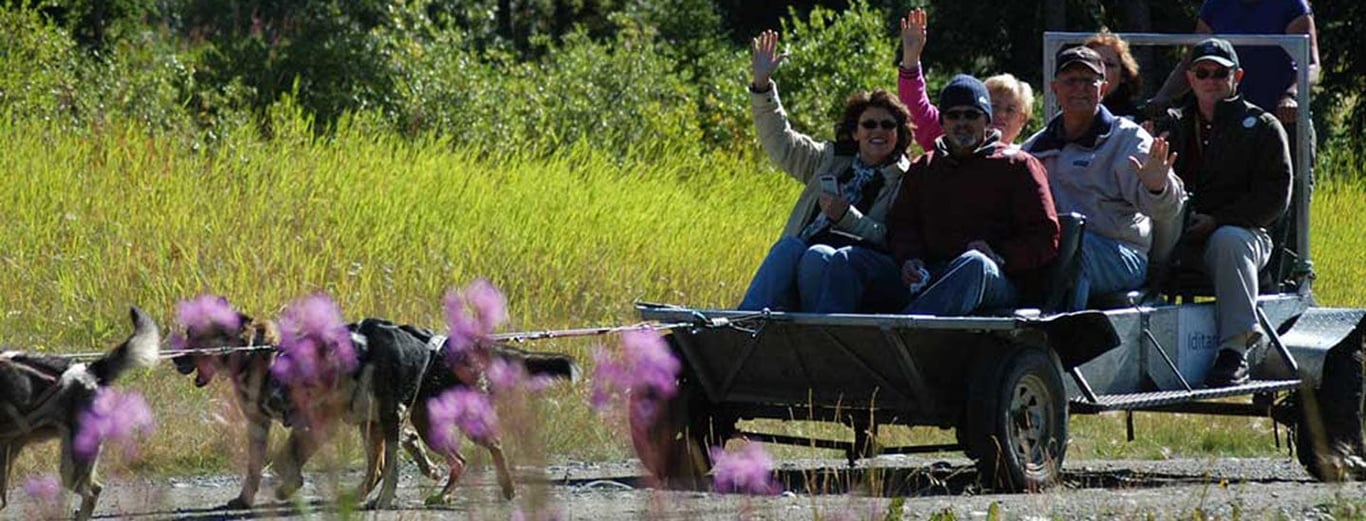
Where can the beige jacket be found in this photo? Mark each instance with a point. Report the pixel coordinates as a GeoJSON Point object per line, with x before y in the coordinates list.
{"type": "Point", "coordinates": [806, 160]}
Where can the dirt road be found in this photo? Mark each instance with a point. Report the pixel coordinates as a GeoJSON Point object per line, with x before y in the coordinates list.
{"type": "Point", "coordinates": [826, 489]}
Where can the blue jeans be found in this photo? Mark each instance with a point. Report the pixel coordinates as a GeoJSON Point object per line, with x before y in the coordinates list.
{"type": "Point", "coordinates": [790, 278]}
{"type": "Point", "coordinates": [861, 279]}
{"type": "Point", "coordinates": [969, 282]}
{"type": "Point", "coordinates": [1107, 266]}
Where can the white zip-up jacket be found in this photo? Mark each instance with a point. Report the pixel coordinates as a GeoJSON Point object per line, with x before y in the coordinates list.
{"type": "Point", "coordinates": [1092, 176]}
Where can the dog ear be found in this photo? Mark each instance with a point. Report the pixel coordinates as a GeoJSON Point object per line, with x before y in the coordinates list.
{"type": "Point", "coordinates": [270, 332]}
{"type": "Point", "coordinates": [261, 333]}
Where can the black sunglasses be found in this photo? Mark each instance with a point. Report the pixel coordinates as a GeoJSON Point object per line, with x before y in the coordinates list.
{"type": "Point", "coordinates": [870, 124]}
{"type": "Point", "coordinates": [970, 115]}
{"type": "Point", "coordinates": [1218, 74]}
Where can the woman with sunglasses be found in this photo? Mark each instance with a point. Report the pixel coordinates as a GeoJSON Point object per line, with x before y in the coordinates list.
{"type": "Point", "coordinates": [850, 184]}
{"type": "Point", "coordinates": [1012, 100]}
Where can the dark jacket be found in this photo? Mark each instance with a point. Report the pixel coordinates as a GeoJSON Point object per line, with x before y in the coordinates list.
{"type": "Point", "coordinates": [995, 195]}
{"type": "Point", "coordinates": [1243, 177]}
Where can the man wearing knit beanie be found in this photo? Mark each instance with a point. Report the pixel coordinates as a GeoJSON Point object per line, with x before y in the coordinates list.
{"type": "Point", "coordinates": [965, 112]}
{"type": "Point", "coordinates": [971, 217]}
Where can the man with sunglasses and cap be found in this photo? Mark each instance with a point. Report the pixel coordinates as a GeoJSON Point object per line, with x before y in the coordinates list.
{"type": "Point", "coordinates": [1235, 158]}
{"type": "Point", "coordinates": [1108, 169]}
{"type": "Point", "coordinates": [972, 217]}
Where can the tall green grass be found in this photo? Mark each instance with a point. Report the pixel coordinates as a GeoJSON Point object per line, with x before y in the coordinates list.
{"type": "Point", "coordinates": [99, 220]}
{"type": "Point", "coordinates": [109, 216]}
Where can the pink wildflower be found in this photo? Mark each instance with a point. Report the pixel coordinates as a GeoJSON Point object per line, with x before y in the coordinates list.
{"type": "Point", "coordinates": [472, 315]}
{"type": "Point", "coordinates": [747, 471]}
{"type": "Point", "coordinates": [655, 367]}
{"type": "Point", "coordinates": [207, 312]}
{"type": "Point", "coordinates": [646, 370]}
{"type": "Point", "coordinates": [489, 305]}
{"type": "Point", "coordinates": [611, 378]}
{"type": "Point", "coordinates": [45, 488]}
{"type": "Point", "coordinates": [115, 417]}
{"type": "Point", "coordinates": [462, 408]}
{"type": "Point", "coordinates": [315, 345]}
{"type": "Point", "coordinates": [506, 376]}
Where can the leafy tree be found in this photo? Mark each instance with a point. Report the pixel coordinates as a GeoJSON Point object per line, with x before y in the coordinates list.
{"type": "Point", "coordinates": [330, 51]}
{"type": "Point", "coordinates": [1342, 51]}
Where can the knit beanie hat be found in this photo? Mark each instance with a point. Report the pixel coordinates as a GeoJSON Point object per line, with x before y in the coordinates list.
{"type": "Point", "coordinates": [965, 90]}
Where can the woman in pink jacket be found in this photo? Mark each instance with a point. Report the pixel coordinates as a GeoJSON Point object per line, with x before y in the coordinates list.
{"type": "Point", "coordinates": [1012, 100]}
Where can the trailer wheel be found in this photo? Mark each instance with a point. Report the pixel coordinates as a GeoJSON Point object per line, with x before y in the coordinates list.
{"type": "Point", "coordinates": [1017, 421]}
{"type": "Point", "coordinates": [671, 436]}
{"type": "Point", "coordinates": [1328, 420]}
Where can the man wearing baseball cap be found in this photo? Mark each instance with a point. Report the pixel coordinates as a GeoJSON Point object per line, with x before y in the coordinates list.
{"type": "Point", "coordinates": [1099, 166]}
{"type": "Point", "coordinates": [1235, 158]}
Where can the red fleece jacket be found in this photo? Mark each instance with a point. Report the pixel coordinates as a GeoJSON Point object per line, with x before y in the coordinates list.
{"type": "Point", "coordinates": [1001, 198]}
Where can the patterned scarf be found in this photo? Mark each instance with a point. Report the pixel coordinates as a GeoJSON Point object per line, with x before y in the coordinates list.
{"type": "Point", "coordinates": [853, 192]}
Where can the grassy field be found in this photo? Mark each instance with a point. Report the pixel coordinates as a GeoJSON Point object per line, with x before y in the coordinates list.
{"type": "Point", "coordinates": [109, 217]}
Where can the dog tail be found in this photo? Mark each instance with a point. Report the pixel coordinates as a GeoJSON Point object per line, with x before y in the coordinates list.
{"type": "Point", "coordinates": [537, 363]}
{"type": "Point", "coordinates": [140, 350]}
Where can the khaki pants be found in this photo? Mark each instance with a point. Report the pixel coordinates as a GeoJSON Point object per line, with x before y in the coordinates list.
{"type": "Point", "coordinates": [1233, 256]}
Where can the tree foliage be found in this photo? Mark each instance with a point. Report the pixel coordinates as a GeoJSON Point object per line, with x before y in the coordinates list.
{"type": "Point", "coordinates": [573, 69]}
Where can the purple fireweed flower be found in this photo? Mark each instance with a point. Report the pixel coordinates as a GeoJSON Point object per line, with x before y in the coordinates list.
{"type": "Point", "coordinates": [45, 488]}
{"type": "Point", "coordinates": [488, 303]}
{"type": "Point", "coordinates": [115, 417]}
{"type": "Point", "coordinates": [611, 378]}
{"type": "Point", "coordinates": [462, 408]}
{"type": "Point", "coordinates": [646, 370]}
{"type": "Point", "coordinates": [747, 471]}
{"type": "Point", "coordinates": [464, 329]}
{"type": "Point", "coordinates": [315, 346]}
{"type": "Point", "coordinates": [207, 312]}
{"type": "Point", "coordinates": [472, 315]}
{"type": "Point", "coordinates": [178, 342]}
{"type": "Point", "coordinates": [506, 376]}
{"type": "Point", "coordinates": [654, 366]}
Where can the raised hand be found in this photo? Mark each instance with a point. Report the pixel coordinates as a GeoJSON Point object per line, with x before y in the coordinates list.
{"type": "Point", "coordinates": [1287, 109]}
{"type": "Point", "coordinates": [1153, 174]}
{"type": "Point", "coordinates": [765, 57]}
{"type": "Point", "coordinates": [910, 272]}
{"type": "Point", "coordinates": [913, 37]}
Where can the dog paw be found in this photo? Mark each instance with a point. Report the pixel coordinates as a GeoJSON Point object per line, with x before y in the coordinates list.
{"type": "Point", "coordinates": [436, 500]}
{"type": "Point", "coordinates": [375, 504]}
{"type": "Point", "coordinates": [237, 503]}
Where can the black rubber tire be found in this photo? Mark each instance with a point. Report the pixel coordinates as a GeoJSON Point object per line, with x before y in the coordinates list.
{"type": "Point", "coordinates": [674, 445]}
{"type": "Point", "coordinates": [665, 443]}
{"type": "Point", "coordinates": [1016, 421]}
{"type": "Point", "coordinates": [1328, 429]}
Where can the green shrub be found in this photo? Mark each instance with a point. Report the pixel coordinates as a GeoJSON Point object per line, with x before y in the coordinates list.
{"type": "Point", "coordinates": [830, 56]}
{"type": "Point", "coordinates": [38, 66]}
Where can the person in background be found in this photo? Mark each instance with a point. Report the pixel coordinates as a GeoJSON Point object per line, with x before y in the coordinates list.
{"type": "Point", "coordinates": [1108, 169]}
{"type": "Point", "coordinates": [1011, 99]}
{"type": "Point", "coordinates": [1270, 72]}
{"type": "Point", "coordinates": [849, 184]}
{"type": "Point", "coordinates": [1123, 84]}
{"type": "Point", "coordinates": [1236, 160]}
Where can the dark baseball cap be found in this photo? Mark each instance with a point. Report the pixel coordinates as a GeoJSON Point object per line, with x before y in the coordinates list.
{"type": "Point", "coordinates": [1216, 50]}
{"type": "Point", "coordinates": [1079, 55]}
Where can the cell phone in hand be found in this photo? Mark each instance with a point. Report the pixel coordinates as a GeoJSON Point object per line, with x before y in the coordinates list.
{"type": "Point", "coordinates": [830, 185]}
